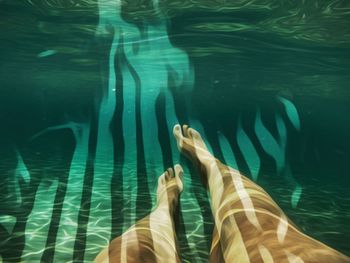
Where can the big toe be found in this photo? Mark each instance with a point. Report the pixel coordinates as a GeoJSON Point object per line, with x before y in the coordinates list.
{"type": "Point", "coordinates": [178, 134]}
{"type": "Point", "coordinates": [169, 174]}
{"type": "Point", "coordinates": [177, 131]}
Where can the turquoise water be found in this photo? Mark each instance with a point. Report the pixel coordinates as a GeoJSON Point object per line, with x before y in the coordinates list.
{"type": "Point", "coordinates": [90, 91]}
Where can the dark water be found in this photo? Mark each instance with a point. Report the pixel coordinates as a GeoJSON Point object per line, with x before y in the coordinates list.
{"type": "Point", "coordinates": [90, 91]}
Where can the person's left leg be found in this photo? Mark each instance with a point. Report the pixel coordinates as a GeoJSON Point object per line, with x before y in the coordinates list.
{"type": "Point", "coordinates": [153, 238]}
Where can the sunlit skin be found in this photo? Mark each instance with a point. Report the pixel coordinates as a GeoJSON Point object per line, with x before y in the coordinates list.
{"type": "Point", "coordinates": [153, 238]}
{"type": "Point", "coordinates": [249, 225]}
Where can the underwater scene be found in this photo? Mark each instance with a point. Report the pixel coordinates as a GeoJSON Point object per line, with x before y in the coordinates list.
{"type": "Point", "coordinates": [174, 131]}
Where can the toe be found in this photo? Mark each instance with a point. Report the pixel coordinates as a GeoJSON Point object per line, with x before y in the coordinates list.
{"type": "Point", "coordinates": [179, 173]}
{"type": "Point", "coordinates": [161, 179]}
{"type": "Point", "coordinates": [177, 131]}
{"type": "Point", "coordinates": [169, 174]}
{"type": "Point", "coordinates": [185, 130]}
{"type": "Point", "coordinates": [193, 133]}
{"type": "Point", "coordinates": [178, 135]}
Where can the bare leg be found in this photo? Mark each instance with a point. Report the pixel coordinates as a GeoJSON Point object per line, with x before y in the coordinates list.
{"type": "Point", "coordinates": [250, 226]}
{"type": "Point", "coordinates": [151, 239]}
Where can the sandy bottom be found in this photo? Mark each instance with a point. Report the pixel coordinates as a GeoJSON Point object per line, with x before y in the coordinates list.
{"type": "Point", "coordinates": [323, 212]}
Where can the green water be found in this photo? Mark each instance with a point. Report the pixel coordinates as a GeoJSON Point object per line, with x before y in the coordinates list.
{"type": "Point", "coordinates": [90, 91]}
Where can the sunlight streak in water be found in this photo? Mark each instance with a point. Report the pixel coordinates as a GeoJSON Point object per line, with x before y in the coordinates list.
{"type": "Point", "coordinates": [269, 143]}
{"type": "Point", "coordinates": [104, 155]}
{"type": "Point", "coordinates": [249, 152]}
{"type": "Point", "coordinates": [291, 112]}
{"type": "Point", "coordinates": [21, 169]}
{"type": "Point", "coordinates": [72, 200]}
{"type": "Point", "coordinates": [227, 152]}
{"type": "Point", "coordinates": [38, 223]}
{"type": "Point", "coordinates": [149, 65]}
{"type": "Point", "coordinates": [142, 53]}
{"type": "Point", "coordinates": [47, 53]}
{"type": "Point", "coordinates": [277, 148]}
{"type": "Point", "coordinates": [21, 174]}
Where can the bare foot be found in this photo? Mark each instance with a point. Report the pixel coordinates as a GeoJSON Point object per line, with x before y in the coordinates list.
{"type": "Point", "coordinates": [170, 185]}
{"type": "Point", "coordinates": [188, 137]}
{"type": "Point", "coordinates": [191, 144]}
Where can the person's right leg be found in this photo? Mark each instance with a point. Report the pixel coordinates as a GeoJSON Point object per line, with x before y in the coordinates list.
{"type": "Point", "coordinates": [152, 239]}
{"type": "Point", "coordinates": [249, 225]}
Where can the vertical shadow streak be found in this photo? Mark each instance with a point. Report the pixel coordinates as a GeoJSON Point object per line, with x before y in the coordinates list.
{"type": "Point", "coordinates": [84, 211]}
{"type": "Point", "coordinates": [62, 173]}
{"type": "Point", "coordinates": [164, 141]}
{"type": "Point", "coordinates": [230, 132]}
{"type": "Point", "coordinates": [117, 198]}
{"type": "Point", "coordinates": [35, 158]}
{"type": "Point", "coordinates": [143, 199]}
{"type": "Point", "coordinates": [248, 123]}
{"type": "Point", "coordinates": [181, 113]}
{"type": "Point", "coordinates": [163, 132]}
{"type": "Point", "coordinates": [200, 192]}
{"type": "Point", "coordinates": [11, 251]}
{"type": "Point", "coordinates": [17, 242]}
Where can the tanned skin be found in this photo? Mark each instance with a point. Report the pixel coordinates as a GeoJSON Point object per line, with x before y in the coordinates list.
{"type": "Point", "coordinates": [153, 238]}
{"type": "Point", "coordinates": [249, 225]}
